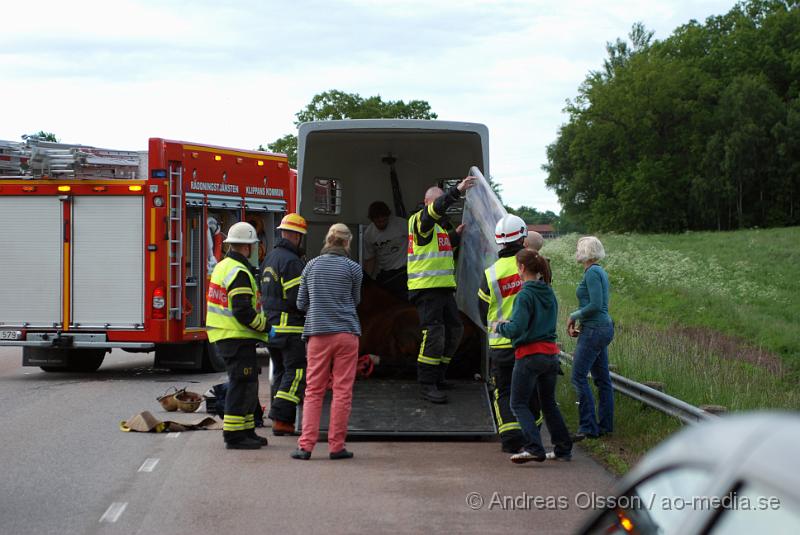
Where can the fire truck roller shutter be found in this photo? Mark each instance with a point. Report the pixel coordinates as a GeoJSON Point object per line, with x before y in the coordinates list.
{"type": "Point", "coordinates": [32, 261]}
{"type": "Point", "coordinates": [108, 261]}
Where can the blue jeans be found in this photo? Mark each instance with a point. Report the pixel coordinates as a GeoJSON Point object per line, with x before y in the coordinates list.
{"type": "Point", "coordinates": [591, 356]}
{"type": "Point", "coordinates": [532, 374]}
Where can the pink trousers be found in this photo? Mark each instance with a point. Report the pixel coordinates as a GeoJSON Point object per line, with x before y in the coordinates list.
{"type": "Point", "coordinates": [327, 354]}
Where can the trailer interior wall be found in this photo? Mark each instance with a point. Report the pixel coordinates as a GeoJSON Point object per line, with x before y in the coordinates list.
{"type": "Point", "coordinates": [354, 158]}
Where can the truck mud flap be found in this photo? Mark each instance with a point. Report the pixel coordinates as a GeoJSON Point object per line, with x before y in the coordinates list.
{"type": "Point", "coordinates": [45, 356]}
{"type": "Point", "coordinates": [385, 408]}
{"type": "Point", "coordinates": [187, 356]}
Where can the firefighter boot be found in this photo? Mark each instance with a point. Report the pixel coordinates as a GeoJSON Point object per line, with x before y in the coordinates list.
{"type": "Point", "coordinates": [429, 392]}
{"type": "Point", "coordinates": [441, 382]}
{"type": "Point", "coordinates": [512, 442]}
{"type": "Point", "coordinates": [240, 440]}
{"type": "Point", "coordinates": [281, 428]}
{"type": "Point", "coordinates": [251, 433]}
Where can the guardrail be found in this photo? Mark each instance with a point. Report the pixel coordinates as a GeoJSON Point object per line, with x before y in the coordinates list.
{"type": "Point", "coordinates": [686, 413]}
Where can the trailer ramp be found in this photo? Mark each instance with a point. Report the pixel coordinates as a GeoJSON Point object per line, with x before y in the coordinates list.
{"type": "Point", "coordinates": [394, 408]}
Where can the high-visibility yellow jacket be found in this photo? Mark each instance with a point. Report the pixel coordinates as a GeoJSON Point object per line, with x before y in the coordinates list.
{"type": "Point", "coordinates": [430, 265]}
{"type": "Point", "coordinates": [504, 285]}
{"type": "Point", "coordinates": [220, 321]}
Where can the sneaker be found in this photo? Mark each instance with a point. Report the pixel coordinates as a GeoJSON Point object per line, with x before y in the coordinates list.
{"type": "Point", "coordinates": [341, 454]}
{"type": "Point", "coordinates": [511, 449]}
{"type": "Point", "coordinates": [281, 428]}
{"type": "Point", "coordinates": [432, 394]}
{"type": "Point", "coordinates": [577, 437]}
{"type": "Point", "coordinates": [300, 454]}
{"type": "Point", "coordinates": [525, 457]}
{"type": "Point", "coordinates": [246, 443]}
{"type": "Point", "coordinates": [551, 456]}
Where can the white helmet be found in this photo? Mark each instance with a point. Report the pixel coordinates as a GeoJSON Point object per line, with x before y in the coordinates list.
{"type": "Point", "coordinates": [241, 233]}
{"type": "Point", "coordinates": [510, 229]}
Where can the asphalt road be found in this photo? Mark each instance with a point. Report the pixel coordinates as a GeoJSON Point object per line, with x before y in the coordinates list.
{"type": "Point", "coordinates": [65, 467]}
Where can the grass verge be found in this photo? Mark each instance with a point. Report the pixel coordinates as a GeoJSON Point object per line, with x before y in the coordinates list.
{"type": "Point", "coordinates": [709, 315]}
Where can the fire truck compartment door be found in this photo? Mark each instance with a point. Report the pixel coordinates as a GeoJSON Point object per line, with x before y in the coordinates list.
{"type": "Point", "coordinates": [267, 205]}
{"type": "Point", "coordinates": [108, 262]}
{"type": "Point", "coordinates": [32, 246]}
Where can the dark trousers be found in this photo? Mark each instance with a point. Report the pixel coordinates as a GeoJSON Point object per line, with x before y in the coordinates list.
{"type": "Point", "coordinates": [532, 373]}
{"type": "Point", "coordinates": [395, 282]}
{"type": "Point", "coordinates": [241, 399]}
{"type": "Point", "coordinates": [276, 357]}
{"type": "Point", "coordinates": [441, 333]}
{"type": "Point", "coordinates": [289, 390]}
{"type": "Point", "coordinates": [502, 368]}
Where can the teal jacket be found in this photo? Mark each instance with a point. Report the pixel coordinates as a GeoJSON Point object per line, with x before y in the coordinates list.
{"type": "Point", "coordinates": [534, 316]}
{"type": "Point", "coordinates": [593, 293]}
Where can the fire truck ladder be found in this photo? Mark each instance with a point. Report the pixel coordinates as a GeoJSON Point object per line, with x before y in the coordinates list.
{"type": "Point", "coordinates": [175, 232]}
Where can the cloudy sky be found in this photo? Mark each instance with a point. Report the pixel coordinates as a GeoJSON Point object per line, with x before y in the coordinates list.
{"type": "Point", "coordinates": [113, 73]}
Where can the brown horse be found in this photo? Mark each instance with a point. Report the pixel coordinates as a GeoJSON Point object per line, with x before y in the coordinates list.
{"type": "Point", "coordinates": [390, 329]}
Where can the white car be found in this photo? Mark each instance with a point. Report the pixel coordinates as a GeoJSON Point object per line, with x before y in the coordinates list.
{"type": "Point", "coordinates": [736, 474]}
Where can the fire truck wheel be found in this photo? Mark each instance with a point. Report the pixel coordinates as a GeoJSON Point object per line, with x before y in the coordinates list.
{"type": "Point", "coordinates": [212, 362]}
{"type": "Point", "coordinates": [67, 360]}
{"type": "Point", "coordinates": [85, 360]}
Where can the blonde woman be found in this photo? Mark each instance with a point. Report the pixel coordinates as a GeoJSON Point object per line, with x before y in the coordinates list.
{"type": "Point", "coordinates": [595, 334]}
{"type": "Point", "coordinates": [330, 290]}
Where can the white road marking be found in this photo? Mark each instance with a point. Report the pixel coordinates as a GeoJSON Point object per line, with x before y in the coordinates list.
{"type": "Point", "coordinates": [113, 512]}
{"type": "Point", "coordinates": [148, 465]}
{"type": "Point", "coordinates": [174, 435]}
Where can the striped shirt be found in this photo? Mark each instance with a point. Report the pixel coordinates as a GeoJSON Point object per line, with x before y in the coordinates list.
{"type": "Point", "coordinates": [330, 290]}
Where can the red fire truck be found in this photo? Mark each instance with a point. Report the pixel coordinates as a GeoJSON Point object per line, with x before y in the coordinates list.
{"type": "Point", "coordinates": [107, 249]}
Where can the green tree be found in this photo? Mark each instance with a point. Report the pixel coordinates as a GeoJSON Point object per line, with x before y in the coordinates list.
{"type": "Point", "coordinates": [44, 136]}
{"type": "Point", "coordinates": [697, 131]}
{"type": "Point", "coordinates": [788, 135]}
{"type": "Point", "coordinates": [620, 52]}
{"type": "Point", "coordinates": [496, 188]}
{"type": "Point", "coordinates": [286, 145]}
{"type": "Point", "coordinates": [532, 216]}
{"type": "Point", "coordinates": [335, 104]}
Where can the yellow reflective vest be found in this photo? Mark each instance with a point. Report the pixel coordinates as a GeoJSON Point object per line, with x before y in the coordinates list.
{"type": "Point", "coordinates": [430, 265]}
{"type": "Point", "coordinates": [220, 321]}
{"type": "Point", "coordinates": [504, 285]}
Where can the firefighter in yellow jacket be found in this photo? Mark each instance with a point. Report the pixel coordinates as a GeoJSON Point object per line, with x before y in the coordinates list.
{"type": "Point", "coordinates": [431, 287]}
{"type": "Point", "coordinates": [235, 325]}
{"type": "Point", "coordinates": [498, 290]}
